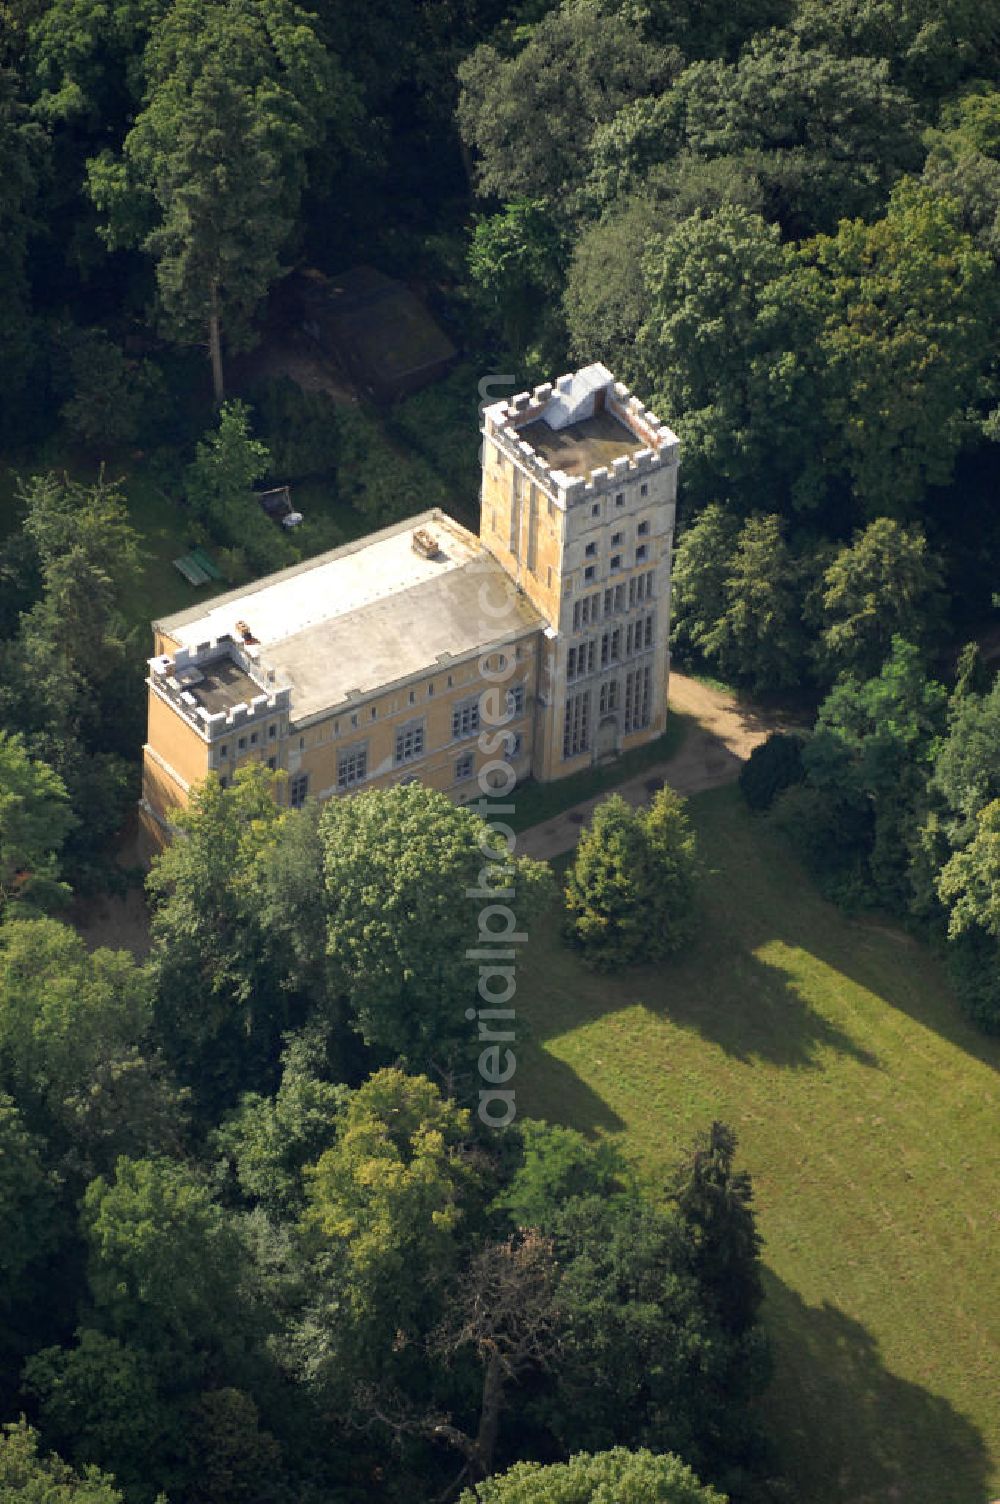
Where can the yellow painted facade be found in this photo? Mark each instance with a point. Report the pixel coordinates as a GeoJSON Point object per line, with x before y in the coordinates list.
{"type": "Point", "coordinates": [574, 566]}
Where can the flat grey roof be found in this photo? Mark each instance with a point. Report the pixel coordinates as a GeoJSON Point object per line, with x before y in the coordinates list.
{"type": "Point", "coordinates": [222, 684]}
{"type": "Point", "coordinates": [584, 446]}
{"type": "Point", "coordinates": [365, 616]}
{"type": "Point", "coordinates": [399, 636]}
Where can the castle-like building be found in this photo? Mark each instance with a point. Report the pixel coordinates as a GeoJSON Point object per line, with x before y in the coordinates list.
{"type": "Point", "coordinates": [424, 652]}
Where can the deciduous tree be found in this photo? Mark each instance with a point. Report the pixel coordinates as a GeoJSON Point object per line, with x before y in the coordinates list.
{"type": "Point", "coordinates": [64, 1012]}
{"type": "Point", "coordinates": [640, 1477]}
{"type": "Point", "coordinates": [35, 819]}
{"type": "Point", "coordinates": [400, 865]}
{"type": "Point", "coordinates": [883, 584]}
{"type": "Point", "coordinates": [529, 117]}
{"type": "Point", "coordinates": [35, 1478]}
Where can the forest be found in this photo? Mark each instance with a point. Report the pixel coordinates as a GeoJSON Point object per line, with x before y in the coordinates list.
{"type": "Point", "coordinates": [256, 1246]}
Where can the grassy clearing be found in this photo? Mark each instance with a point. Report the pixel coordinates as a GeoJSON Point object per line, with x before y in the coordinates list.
{"type": "Point", "coordinates": [866, 1110]}
{"type": "Point", "coordinates": [537, 802]}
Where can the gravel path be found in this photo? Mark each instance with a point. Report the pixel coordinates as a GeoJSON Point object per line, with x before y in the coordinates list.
{"type": "Point", "coordinates": [722, 734]}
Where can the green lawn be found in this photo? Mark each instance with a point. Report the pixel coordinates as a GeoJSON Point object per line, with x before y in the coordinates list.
{"type": "Point", "coordinates": [866, 1111]}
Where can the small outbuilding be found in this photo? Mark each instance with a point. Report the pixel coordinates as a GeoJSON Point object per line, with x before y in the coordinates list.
{"type": "Point", "coordinates": [375, 328]}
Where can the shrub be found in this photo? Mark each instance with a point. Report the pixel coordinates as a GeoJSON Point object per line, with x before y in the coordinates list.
{"type": "Point", "coordinates": [772, 767]}
{"type": "Point", "coordinates": [300, 429]}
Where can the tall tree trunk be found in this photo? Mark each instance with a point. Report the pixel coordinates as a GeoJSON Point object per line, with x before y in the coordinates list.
{"type": "Point", "coordinates": [489, 1416]}
{"type": "Point", "coordinates": [215, 347]}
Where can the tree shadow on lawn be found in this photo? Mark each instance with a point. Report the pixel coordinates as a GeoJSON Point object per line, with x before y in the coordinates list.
{"type": "Point", "coordinates": [849, 1431]}
{"type": "Point", "coordinates": [556, 1092]}
{"type": "Point", "coordinates": [775, 972]}
{"type": "Point", "coordinates": [751, 1007]}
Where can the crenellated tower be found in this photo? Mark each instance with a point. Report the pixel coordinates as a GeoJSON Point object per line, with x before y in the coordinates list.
{"type": "Point", "coordinates": [579, 491]}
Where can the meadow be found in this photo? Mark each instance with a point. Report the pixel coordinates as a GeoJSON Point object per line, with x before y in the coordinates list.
{"type": "Point", "coordinates": [866, 1112]}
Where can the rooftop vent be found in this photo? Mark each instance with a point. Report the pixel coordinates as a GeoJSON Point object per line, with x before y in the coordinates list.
{"type": "Point", "coordinates": [424, 543]}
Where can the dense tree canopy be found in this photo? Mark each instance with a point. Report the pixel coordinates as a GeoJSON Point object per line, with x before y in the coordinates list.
{"type": "Point", "coordinates": [257, 1248]}
{"type": "Point", "coordinates": [213, 168]}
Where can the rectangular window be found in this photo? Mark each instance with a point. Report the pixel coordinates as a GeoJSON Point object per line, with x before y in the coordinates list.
{"type": "Point", "coordinates": [410, 742]}
{"type": "Point", "coordinates": [272, 732]}
{"type": "Point", "coordinates": [619, 598]}
{"type": "Point", "coordinates": [595, 510]}
{"type": "Point", "coordinates": [641, 553]}
{"type": "Point", "coordinates": [464, 767]}
{"type": "Point", "coordinates": [465, 719]}
{"type": "Point", "coordinates": [633, 582]}
{"type": "Point", "coordinates": [253, 738]}
{"type": "Point", "coordinates": [585, 611]}
{"type": "Point", "coordinates": [588, 573]}
{"type": "Point", "coordinates": [649, 630]}
{"type": "Point", "coordinates": [616, 561]}
{"type": "Point", "coordinates": [576, 725]}
{"type": "Point", "coordinates": [272, 763]}
{"type": "Point", "coordinates": [616, 538]}
{"type": "Point", "coordinates": [644, 489]}
{"type": "Point", "coordinates": [224, 751]}
{"type": "Point", "coordinates": [242, 743]}
{"type": "Point", "coordinates": [643, 529]}
{"type": "Point", "coordinates": [609, 696]}
{"type": "Point", "coordinates": [619, 498]}
{"type": "Point", "coordinates": [591, 550]}
{"type": "Point", "coordinates": [637, 685]}
{"type": "Point", "coordinates": [515, 700]}
{"type": "Point", "coordinates": [581, 660]}
{"type": "Point", "coordinates": [609, 602]}
{"type": "Point", "coordinates": [352, 766]}
{"type": "Point", "coordinates": [298, 789]}
{"type": "Point", "coordinates": [532, 527]}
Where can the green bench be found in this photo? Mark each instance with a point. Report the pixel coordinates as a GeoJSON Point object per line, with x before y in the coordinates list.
{"type": "Point", "coordinates": [205, 562]}
{"type": "Point", "coordinates": [197, 568]}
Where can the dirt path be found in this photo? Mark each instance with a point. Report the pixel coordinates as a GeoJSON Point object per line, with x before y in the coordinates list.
{"type": "Point", "coordinates": [722, 734]}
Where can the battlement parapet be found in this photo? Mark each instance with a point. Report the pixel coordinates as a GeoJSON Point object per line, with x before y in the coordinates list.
{"type": "Point", "coordinates": [212, 685]}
